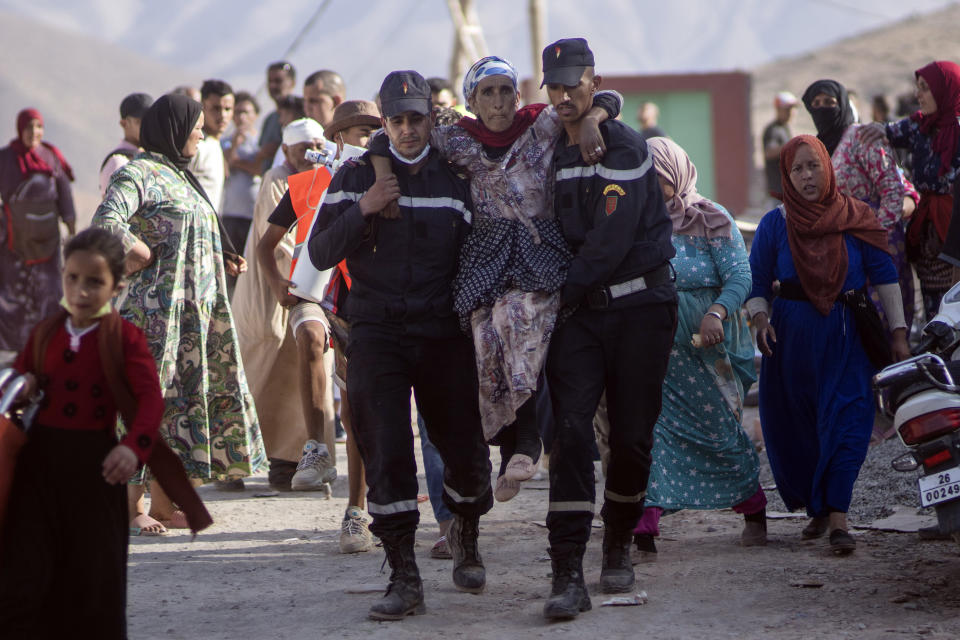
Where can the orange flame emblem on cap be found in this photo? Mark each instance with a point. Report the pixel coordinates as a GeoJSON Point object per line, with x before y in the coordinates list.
{"type": "Point", "coordinates": [557, 50]}
{"type": "Point", "coordinates": [404, 88]}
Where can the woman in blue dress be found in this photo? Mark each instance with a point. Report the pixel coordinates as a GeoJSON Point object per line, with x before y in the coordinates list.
{"type": "Point", "coordinates": [702, 458]}
{"type": "Point", "coordinates": [815, 401]}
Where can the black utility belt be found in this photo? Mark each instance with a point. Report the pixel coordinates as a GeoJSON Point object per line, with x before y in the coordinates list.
{"type": "Point", "coordinates": [602, 297]}
{"type": "Point", "coordinates": [794, 291]}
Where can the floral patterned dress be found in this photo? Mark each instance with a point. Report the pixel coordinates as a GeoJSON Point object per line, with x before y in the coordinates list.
{"type": "Point", "coordinates": [934, 274]}
{"type": "Point", "coordinates": [870, 173]}
{"type": "Point", "coordinates": [512, 264]}
{"type": "Point", "coordinates": [180, 302]}
{"type": "Point", "coordinates": [702, 458]}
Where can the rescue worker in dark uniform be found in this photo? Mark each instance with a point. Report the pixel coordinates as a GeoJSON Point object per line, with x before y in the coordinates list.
{"type": "Point", "coordinates": [620, 288]}
{"type": "Point", "coordinates": [405, 334]}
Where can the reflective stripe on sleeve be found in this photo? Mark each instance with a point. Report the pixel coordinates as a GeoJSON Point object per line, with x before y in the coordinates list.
{"type": "Point", "coordinates": [340, 196]}
{"type": "Point", "coordinates": [620, 175]}
{"type": "Point", "coordinates": [438, 202]}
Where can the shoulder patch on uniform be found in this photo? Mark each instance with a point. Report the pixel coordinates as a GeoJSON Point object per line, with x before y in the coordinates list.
{"type": "Point", "coordinates": [614, 187]}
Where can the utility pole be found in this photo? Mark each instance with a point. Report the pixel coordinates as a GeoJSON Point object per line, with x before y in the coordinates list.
{"type": "Point", "coordinates": [538, 36]}
{"type": "Point", "coordinates": [468, 42]}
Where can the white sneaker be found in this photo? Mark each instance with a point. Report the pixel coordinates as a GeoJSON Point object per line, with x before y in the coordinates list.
{"type": "Point", "coordinates": [316, 468]}
{"type": "Point", "coordinates": [354, 534]}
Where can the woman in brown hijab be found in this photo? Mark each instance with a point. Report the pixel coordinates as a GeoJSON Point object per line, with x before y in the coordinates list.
{"type": "Point", "coordinates": [815, 399]}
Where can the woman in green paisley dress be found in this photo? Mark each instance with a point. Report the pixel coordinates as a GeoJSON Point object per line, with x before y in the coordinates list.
{"type": "Point", "coordinates": [177, 294]}
{"type": "Point", "coordinates": [702, 458]}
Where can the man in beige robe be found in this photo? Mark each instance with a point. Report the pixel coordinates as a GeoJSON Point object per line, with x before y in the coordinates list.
{"type": "Point", "coordinates": [268, 347]}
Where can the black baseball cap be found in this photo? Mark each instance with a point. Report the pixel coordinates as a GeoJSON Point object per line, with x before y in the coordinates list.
{"type": "Point", "coordinates": [565, 60]}
{"type": "Point", "coordinates": [404, 91]}
{"type": "Point", "coordinates": [135, 105]}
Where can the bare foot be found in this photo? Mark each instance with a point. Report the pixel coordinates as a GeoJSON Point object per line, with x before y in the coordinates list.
{"type": "Point", "coordinates": [506, 488]}
{"type": "Point", "coordinates": [148, 526]}
{"type": "Point", "coordinates": [521, 467]}
{"type": "Point", "coordinates": [176, 520]}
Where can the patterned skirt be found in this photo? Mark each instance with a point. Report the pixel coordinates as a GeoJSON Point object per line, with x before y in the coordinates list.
{"type": "Point", "coordinates": [507, 293]}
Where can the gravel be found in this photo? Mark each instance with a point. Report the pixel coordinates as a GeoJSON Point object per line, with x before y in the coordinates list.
{"type": "Point", "coordinates": [878, 489]}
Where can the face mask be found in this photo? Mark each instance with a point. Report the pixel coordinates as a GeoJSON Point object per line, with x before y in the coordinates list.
{"type": "Point", "coordinates": [396, 154]}
{"type": "Point", "coordinates": [102, 311]}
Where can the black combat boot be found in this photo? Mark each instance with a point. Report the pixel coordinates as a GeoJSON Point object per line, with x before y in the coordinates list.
{"type": "Point", "coordinates": [616, 573]}
{"type": "Point", "coordinates": [568, 596]}
{"type": "Point", "coordinates": [404, 594]}
{"type": "Point", "coordinates": [468, 572]}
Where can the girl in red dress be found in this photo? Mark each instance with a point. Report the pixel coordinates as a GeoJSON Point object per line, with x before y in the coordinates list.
{"type": "Point", "coordinates": [63, 555]}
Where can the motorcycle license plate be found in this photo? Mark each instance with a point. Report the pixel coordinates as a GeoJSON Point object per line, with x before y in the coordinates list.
{"type": "Point", "coordinates": [942, 486]}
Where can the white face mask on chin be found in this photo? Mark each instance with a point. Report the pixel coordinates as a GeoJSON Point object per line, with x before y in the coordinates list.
{"type": "Point", "coordinates": [404, 160]}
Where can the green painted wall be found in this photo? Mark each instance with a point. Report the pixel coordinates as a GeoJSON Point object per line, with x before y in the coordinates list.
{"type": "Point", "coordinates": [686, 116]}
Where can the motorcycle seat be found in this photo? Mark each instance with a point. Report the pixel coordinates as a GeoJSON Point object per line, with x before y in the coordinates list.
{"type": "Point", "coordinates": [915, 382]}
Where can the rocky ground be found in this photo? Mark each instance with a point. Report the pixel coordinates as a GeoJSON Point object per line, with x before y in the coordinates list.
{"type": "Point", "coordinates": [270, 568]}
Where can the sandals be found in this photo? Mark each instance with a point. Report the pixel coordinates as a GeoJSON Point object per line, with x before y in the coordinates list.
{"type": "Point", "coordinates": [841, 542]}
{"type": "Point", "coordinates": [144, 525]}
{"type": "Point", "coordinates": [816, 528]}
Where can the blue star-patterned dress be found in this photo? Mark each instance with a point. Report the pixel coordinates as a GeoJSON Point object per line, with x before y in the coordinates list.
{"type": "Point", "coordinates": [702, 458]}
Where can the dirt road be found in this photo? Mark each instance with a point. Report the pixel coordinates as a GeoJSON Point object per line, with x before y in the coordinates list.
{"type": "Point", "coordinates": [270, 568]}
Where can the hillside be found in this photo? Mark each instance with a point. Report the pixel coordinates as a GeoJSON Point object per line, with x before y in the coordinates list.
{"type": "Point", "coordinates": [881, 61]}
{"type": "Point", "coordinates": [77, 83]}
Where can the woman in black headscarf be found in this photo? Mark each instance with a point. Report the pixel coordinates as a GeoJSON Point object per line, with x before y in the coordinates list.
{"type": "Point", "coordinates": [867, 171]}
{"type": "Point", "coordinates": [177, 294]}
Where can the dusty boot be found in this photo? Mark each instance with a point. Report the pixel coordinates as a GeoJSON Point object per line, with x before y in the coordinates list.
{"type": "Point", "coordinates": [616, 573]}
{"type": "Point", "coordinates": [568, 596]}
{"type": "Point", "coordinates": [404, 594]}
{"type": "Point", "coordinates": [754, 529]}
{"type": "Point", "coordinates": [468, 572]}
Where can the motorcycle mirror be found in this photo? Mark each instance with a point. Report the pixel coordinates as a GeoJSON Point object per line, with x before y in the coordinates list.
{"type": "Point", "coordinates": [905, 462]}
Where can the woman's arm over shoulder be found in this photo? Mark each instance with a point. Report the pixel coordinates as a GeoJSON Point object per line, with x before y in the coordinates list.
{"type": "Point", "coordinates": [900, 132]}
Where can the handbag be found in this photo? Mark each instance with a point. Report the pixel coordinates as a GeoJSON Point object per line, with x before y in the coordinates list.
{"type": "Point", "coordinates": [873, 336]}
{"type": "Point", "coordinates": [14, 424]}
{"type": "Point", "coordinates": [34, 225]}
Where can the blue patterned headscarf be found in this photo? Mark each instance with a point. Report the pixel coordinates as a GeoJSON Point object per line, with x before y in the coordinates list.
{"type": "Point", "coordinates": [484, 67]}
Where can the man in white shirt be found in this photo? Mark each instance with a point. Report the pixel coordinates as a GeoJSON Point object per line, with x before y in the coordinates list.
{"type": "Point", "coordinates": [208, 165]}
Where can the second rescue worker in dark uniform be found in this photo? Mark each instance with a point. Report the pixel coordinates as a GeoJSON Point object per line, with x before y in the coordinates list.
{"type": "Point", "coordinates": [619, 337]}
{"type": "Point", "coordinates": [404, 334]}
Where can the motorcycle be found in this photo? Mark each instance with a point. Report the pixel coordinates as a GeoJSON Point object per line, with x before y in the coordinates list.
{"type": "Point", "coordinates": [922, 396]}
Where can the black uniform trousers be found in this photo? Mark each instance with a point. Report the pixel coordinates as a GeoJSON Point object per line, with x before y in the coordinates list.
{"type": "Point", "coordinates": [626, 352]}
{"type": "Point", "coordinates": [63, 566]}
{"type": "Point", "coordinates": [384, 365]}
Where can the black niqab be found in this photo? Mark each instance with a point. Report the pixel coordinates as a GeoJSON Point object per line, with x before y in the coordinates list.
{"type": "Point", "coordinates": [167, 125]}
{"type": "Point", "coordinates": [831, 122]}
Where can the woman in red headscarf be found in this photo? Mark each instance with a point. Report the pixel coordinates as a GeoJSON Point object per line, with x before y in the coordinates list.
{"type": "Point", "coordinates": [932, 135]}
{"type": "Point", "coordinates": [35, 190]}
{"type": "Point", "coordinates": [815, 396]}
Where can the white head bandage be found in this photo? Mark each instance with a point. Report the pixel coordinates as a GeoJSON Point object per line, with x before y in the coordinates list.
{"type": "Point", "coordinates": [302, 130]}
